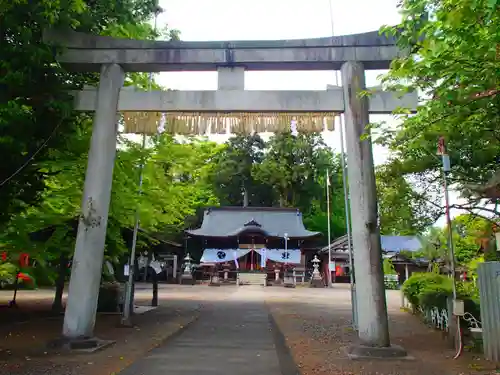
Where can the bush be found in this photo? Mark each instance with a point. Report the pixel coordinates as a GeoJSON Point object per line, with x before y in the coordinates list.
{"type": "Point", "coordinates": [7, 274]}
{"type": "Point", "coordinates": [44, 276]}
{"type": "Point", "coordinates": [391, 282]}
{"type": "Point", "coordinates": [469, 292]}
{"type": "Point", "coordinates": [109, 297]}
{"type": "Point", "coordinates": [413, 287]}
{"type": "Point", "coordinates": [429, 290]}
{"type": "Point", "coordinates": [435, 295]}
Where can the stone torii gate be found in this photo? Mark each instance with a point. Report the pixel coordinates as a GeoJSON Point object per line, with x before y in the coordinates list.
{"type": "Point", "coordinates": [114, 57]}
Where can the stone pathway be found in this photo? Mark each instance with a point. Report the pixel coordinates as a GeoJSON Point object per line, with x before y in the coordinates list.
{"type": "Point", "coordinates": [232, 336]}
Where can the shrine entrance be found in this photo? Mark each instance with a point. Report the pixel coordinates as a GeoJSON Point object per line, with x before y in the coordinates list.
{"type": "Point", "coordinates": [229, 109]}
{"type": "Point", "coordinates": [256, 244]}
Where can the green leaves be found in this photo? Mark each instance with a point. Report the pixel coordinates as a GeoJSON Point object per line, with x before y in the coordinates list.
{"type": "Point", "coordinates": [454, 64]}
{"type": "Point", "coordinates": [287, 171]}
{"type": "Point", "coordinates": [33, 98]}
{"type": "Point", "coordinates": [292, 166]}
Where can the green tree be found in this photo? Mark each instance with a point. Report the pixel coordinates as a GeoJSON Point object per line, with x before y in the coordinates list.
{"type": "Point", "coordinates": [402, 210]}
{"type": "Point", "coordinates": [233, 177]}
{"type": "Point", "coordinates": [471, 235]}
{"type": "Point", "coordinates": [453, 62]}
{"type": "Point", "coordinates": [433, 247]}
{"type": "Point", "coordinates": [287, 167]}
{"type": "Point", "coordinates": [292, 165]}
{"type": "Point", "coordinates": [175, 186]}
{"type": "Point", "coordinates": [316, 214]}
{"type": "Point", "coordinates": [35, 109]}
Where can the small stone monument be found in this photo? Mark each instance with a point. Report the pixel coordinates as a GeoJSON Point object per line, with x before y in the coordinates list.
{"type": "Point", "coordinates": [277, 280]}
{"type": "Point", "coordinates": [214, 278]}
{"type": "Point", "coordinates": [226, 271]}
{"type": "Point", "coordinates": [289, 278]}
{"type": "Point", "coordinates": [187, 274]}
{"type": "Point", "coordinates": [316, 280]}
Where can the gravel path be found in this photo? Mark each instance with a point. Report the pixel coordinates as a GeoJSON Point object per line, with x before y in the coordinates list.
{"type": "Point", "coordinates": [317, 327]}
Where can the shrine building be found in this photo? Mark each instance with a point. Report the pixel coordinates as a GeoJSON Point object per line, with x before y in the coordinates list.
{"type": "Point", "coordinates": [254, 245]}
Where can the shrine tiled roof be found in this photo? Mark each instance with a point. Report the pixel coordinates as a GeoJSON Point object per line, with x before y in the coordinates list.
{"type": "Point", "coordinates": [390, 244]}
{"type": "Point", "coordinates": [267, 221]}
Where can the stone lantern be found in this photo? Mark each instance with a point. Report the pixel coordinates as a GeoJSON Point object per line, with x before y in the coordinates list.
{"type": "Point", "coordinates": [187, 274]}
{"type": "Point", "coordinates": [277, 271]}
{"type": "Point", "coordinates": [226, 269]}
{"type": "Point", "coordinates": [316, 280]}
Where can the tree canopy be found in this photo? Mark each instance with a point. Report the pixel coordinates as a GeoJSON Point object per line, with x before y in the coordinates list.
{"type": "Point", "coordinates": [234, 178]}
{"type": "Point", "coordinates": [402, 210]}
{"type": "Point", "coordinates": [44, 143]}
{"type": "Point", "coordinates": [453, 62]}
{"type": "Point", "coordinates": [36, 116]}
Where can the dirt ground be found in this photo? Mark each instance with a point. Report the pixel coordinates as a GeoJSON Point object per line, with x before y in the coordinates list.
{"type": "Point", "coordinates": [315, 323]}
{"type": "Point", "coordinates": [317, 327]}
{"type": "Point", "coordinates": [23, 341]}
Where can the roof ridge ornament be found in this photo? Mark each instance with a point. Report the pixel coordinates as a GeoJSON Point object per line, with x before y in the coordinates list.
{"type": "Point", "coordinates": [252, 222]}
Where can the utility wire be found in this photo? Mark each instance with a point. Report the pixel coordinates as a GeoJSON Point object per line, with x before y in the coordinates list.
{"type": "Point", "coordinates": [32, 157]}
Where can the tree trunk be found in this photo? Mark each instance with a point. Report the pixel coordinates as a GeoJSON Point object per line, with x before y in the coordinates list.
{"type": "Point", "coordinates": [282, 201]}
{"type": "Point", "coordinates": [61, 278]}
{"type": "Point", "coordinates": [245, 197]}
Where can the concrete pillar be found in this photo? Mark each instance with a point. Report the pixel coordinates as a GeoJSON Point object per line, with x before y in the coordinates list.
{"type": "Point", "coordinates": [371, 303]}
{"type": "Point", "coordinates": [79, 318]}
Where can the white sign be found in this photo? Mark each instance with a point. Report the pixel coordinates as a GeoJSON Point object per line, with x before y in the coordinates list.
{"type": "Point", "coordinates": [263, 257]}
{"type": "Point", "coordinates": [156, 266]}
{"type": "Point", "coordinates": [291, 256]}
{"type": "Point", "coordinates": [126, 270]}
{"type": "Point", "coordinates": [222, 255]}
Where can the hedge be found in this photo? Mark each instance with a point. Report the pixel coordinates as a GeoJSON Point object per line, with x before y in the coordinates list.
{"type": "Point", "coordinates": [430, 289]}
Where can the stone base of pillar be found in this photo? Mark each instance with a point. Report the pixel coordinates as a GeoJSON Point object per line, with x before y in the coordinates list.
{"type": "Point", "coordinates": [288, 282]}
{"type": "Point", "coordinates": [360, 352]}
{"type": "Point", "coordinates": [317, 283]}
{"type": "Point", "coordinates": [187, 279]}
{"type": "Point", "coordinates": [214, 281]}
{"type": "Point", "coordinates": [84, 344]}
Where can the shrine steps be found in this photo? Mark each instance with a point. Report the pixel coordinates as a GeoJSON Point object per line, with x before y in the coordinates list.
{"type": "Point", "coordinates": [252, 279]}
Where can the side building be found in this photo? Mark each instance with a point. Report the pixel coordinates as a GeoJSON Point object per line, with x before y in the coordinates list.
{"type": "Point", "coordinates": [254, 245]}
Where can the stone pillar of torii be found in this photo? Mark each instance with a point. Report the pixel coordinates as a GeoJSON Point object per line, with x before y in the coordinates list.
{"type": "Point", "coordinates": [351, 54]}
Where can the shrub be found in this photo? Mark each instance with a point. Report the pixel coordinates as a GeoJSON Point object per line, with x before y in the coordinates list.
{"type": "Point", "coordinates": [391, 282]}
{"type": "Point", "coordinates": [109, 297]}
{"type": "Point", "coordinates": [389, 267]}
{"type": "Point", "coordinates": [419, 281]}
{"type": "Point", "coordinates": [44, 276]}
{"type": "Point", "coordinates": [26, 281]}
{"type": "Point", "coordinates": [434, 295]}
{"type": "Point", "coordinates": [469, 293]}
{"type": "Point", "coordinates": [432, 290]}
{"type": "Point", "coordinates": [7, 274]}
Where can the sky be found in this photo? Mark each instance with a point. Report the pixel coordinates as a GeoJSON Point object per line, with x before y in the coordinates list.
{"type": "Point", "coordinates": [208, 20]}
{"type": "Point", "coordinates": [277, 19]}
